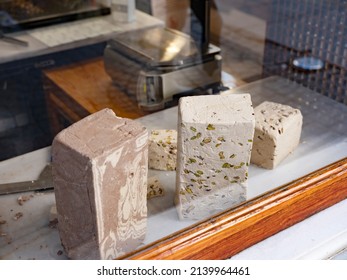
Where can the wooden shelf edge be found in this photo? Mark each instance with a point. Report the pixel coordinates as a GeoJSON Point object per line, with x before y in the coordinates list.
{"type": "Point", "coordinates": [233, 231]}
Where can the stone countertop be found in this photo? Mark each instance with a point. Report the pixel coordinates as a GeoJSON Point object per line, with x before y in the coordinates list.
{"type": "Point", "coordinates": [320, 236]}
{"type": "Point", "coordinates": [70, 35]}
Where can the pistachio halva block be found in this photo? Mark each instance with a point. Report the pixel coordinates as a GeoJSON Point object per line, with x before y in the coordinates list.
{"type": "Point", "coordinates": [162, 149]}
{"type": "Point", "coordinates": [215, 135]}
{"type": "Point", "coordinates": [277, 133]}
{"type": "Point", "coordinates": [100, 168]}
{"type": "Point", "coordinates": [154, 187]}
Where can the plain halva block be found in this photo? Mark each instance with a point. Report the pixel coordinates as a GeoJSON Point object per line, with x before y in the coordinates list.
{"type": "Point", "coordinates": [162, 149]}
{"type": "Point", "coordinates": [215, 135]}
{"type": "Point", "coordinates": [53, 214]}
{"type": "Point", "coordinates": [277, 133]}
{"type": "Point", "coordinates": [100, 167]}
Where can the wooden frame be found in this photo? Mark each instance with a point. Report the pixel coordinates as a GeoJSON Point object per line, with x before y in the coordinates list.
{"type": "Point", "coordinates": [233, 231]}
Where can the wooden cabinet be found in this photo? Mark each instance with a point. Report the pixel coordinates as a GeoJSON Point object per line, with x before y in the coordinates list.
{"type": "Point", "coordinates": [73, 92]}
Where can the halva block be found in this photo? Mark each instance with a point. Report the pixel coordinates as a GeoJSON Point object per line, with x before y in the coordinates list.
{"type": "Point", "coordinates": [277, 133]}
{"type": "Point", "coordinates": [215, 136]}
{"type": "Point", "coordinates": [100, 168]}
{"type": "Point", "coordinates": [154, 187]}
{"type": "Point", "coordinates": [162, 149]}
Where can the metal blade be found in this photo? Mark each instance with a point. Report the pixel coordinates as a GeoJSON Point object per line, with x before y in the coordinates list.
{"type": "Point", "coordinates": [42, 183]}
{"type": "Point", "coordinates": [13, 40]}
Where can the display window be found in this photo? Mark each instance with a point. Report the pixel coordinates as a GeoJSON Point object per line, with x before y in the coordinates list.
{"type": "Point", "coordinates": [167, 129]}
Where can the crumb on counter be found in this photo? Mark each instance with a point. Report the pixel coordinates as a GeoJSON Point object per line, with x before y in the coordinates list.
{"type": "Point", "coordinates": [23, 198]}
{"type": "Point", "coordinates": [17, 216]}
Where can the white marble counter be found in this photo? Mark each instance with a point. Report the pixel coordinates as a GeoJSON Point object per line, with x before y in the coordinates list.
{"type": "Point", "coordinates": [70, 35]}
{"type": "Point", "coordinates": [322, 143]}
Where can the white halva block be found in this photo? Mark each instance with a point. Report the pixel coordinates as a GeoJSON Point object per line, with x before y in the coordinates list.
{"type": "Point", "coordinates": [277, 133]}
{"type": "Point", "coordinates": [215, 135]}
{"type": "Point", "coordinates": [162, 149]}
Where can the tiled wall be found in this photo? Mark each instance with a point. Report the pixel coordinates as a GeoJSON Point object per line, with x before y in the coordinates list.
{"type": "Point", "coordinates": [309, 28]}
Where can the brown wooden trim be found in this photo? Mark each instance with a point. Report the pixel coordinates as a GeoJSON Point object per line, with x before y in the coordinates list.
{"type": "Point", "coordinates": [233, 231]}
{"type": "Point", "coordinates": [58, 104]}
{"type": "Point", "coordinates": [65, 100]}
